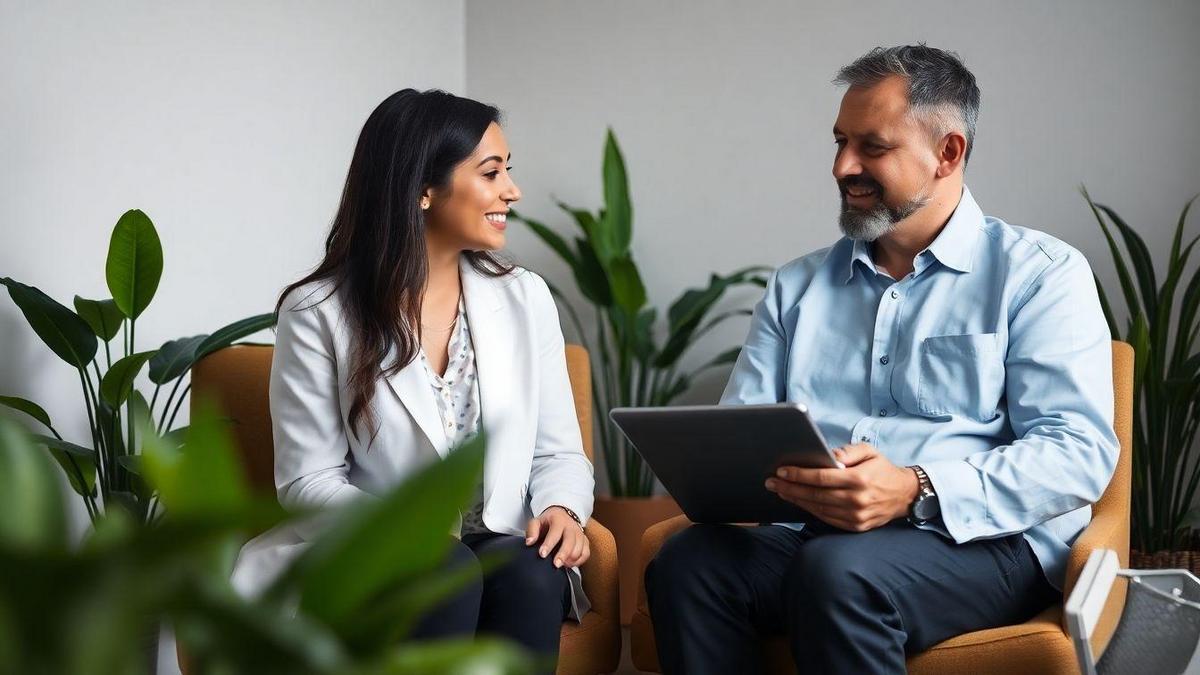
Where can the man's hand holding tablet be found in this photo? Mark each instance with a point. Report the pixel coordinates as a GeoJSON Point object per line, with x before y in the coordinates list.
{"type": "Point", "coordinates": [867, 493]}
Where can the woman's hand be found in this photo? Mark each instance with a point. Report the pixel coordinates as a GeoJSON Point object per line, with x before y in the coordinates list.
{"type": "Point", "coordinates": [554, 528]}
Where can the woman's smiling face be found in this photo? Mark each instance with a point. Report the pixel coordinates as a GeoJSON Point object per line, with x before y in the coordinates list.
{"type": "Point", "coordinates": [470, 213]}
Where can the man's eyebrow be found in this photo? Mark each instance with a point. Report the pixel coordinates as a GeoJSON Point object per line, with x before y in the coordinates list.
{"type": "Point", "coordinates": [870, 136]}
{"type": "Point", "coordinates": [496, 158]}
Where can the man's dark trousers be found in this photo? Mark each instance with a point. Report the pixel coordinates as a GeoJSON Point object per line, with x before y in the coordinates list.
{"type": "Point", "coordinates": [846, 602]}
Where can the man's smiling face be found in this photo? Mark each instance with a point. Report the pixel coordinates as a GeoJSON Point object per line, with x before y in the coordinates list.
{"type": "Point", "coordinates": [886, 159]}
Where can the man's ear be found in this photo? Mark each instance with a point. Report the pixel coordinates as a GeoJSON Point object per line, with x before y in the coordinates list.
{"type": "Point", "coordinates": [952, 153]}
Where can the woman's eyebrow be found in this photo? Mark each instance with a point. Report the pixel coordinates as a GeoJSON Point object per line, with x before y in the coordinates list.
{"type": "Point", "coordinates": [497, 158]}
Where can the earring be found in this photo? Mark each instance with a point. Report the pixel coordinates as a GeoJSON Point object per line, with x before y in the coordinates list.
{"type": "Point", "coordinates": [424, 204]}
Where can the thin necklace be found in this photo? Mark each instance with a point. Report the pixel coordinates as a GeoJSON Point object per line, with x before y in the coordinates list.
{"type": "Point", "coordinates": [447, 329]}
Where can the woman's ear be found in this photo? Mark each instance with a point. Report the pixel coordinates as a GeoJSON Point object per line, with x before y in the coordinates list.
{"type": "Point", "coordinates": [426, 199]}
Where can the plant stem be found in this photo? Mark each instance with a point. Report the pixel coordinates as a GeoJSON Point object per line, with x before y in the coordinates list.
{"type": "Point", "coordinates": [153, 399]}
{"type": "Point", "coordinates": [171, 397]}
{"type": "Point", "coordinates": [126, 480]}
{"type": "Point", "coordinates": [87, 498]}
{"type": "Point", "coordinates": [97, 445]}
{"type": "Point", "coordinates": [178, 405]}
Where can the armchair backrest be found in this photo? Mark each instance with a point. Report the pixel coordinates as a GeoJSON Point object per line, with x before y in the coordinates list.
{"type": "Point", "coordinates": [237, 379]}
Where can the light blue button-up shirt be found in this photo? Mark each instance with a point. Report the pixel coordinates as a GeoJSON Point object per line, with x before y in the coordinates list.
{"type": "Point", "coordinates": [989, 365]}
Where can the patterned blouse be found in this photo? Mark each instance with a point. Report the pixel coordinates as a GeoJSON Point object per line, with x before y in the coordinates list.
{"type": "Point", "coordinates": [457, 396]}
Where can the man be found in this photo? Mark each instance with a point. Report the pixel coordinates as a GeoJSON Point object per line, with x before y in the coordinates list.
{"type": "Point", "coordinates": [962, 368]}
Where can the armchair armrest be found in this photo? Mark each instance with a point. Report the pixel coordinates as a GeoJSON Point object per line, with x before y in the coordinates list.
{"type": "Point", "coordinates": [1110, 530]}
{"type": "Point", "coordinates": [600, 571]}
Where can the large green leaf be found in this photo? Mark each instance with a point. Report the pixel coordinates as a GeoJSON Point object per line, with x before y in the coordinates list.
{"type": "Point", "coordinates": [1143, 264]}
{"type": "Point", "coordinates": [403, 534]}
{"type": "Point", "coordinates": [108, 419]}
{"type": "Point", "coordinates": [174, 358]}
{"type": "Point", "coordinates": [141, 418]}
{"type": "Point", "coordinates": [1177, 240]}
{"type": "Point", "coordinates": [584, 219]}
{"type": "Point", "coordinates": [140, 410]}
{"type": "Point", "coordinates": [391, 615]}
{"type": "Point", "coordinates": [78, 463]}
{"type": "Point", "coordinates": [1189, 310]}
{"type": "Point", "coordinates": [175, 438]}
{"type": "Point", "coordinates": [618, 211]}
{"type": "Point", "coordinates": [551, 238]}
{"type": "Point", "coordinates": [235, 636]}
{"type": "Point", "coordinates": [482, 656]}
{"type": "Point", "coordinates": [642, 336]}
{"type": "Point", "coordinates": [1139, 339]}
{"type": "Point", "coordinates": [61, 329]}
{"type": "Point", "coordinates": [689, 309]}
{"type": "Point", "coordinates": [31, 507]}
{"type": "Point", "coordinates": [225, 336]}
{"type": "Point", "coordinates": [201, 477]}
{"type": "Point", "coordinates": [102, 315]}
{"type": "Point", "coordinates": [1191, 295]}
{"type": "Point", "coordinates": [1127, 284]}
{"type": "Point", "coordinates": [1106, 308]}
{"type": "Point", "coordinates": [135, 263]}
{"type": "Point", "coordinates": [1160, 329]}
{"type": "Point", "coordinates": [627, 289]}
{"type": "Point", "coordinates": [118, 381]}
{"type": "Point", "coordinates": [590, 275]}
{"type": "Point", "coordinates": [28, 407]}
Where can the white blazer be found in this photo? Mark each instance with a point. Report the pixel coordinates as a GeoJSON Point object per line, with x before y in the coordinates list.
{"type": "Point", "coordinates": [534, 457]}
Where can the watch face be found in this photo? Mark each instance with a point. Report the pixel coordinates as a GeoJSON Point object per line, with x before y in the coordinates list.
{"type": "Point", "coordinates": [926, 508]}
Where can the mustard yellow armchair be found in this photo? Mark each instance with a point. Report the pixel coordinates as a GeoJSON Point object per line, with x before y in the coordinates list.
{"type": "Point", "coordinates": [1040, 645]}
{"type": "Point", "coordinates": [237, 379]}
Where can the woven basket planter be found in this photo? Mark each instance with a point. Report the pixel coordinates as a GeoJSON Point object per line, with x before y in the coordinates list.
{"type": "Point", "coordinates": [1188, 559]}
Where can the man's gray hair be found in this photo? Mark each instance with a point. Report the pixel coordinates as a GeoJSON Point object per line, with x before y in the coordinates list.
{"type": "Point", "coordinates": [941, 91]}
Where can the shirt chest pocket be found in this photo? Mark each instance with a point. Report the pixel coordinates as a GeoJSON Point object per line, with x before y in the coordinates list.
{"type": "Point", "coordinates": [961, 375]}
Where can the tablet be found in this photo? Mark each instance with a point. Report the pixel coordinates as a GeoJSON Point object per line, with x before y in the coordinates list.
{"type": "Point", "coordinates": [714, 459]}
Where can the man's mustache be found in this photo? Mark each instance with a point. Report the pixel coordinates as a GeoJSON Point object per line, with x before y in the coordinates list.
{"type": "Point", "coordinates": [860, 181]}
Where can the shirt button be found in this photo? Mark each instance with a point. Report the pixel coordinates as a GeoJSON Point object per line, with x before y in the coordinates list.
{"type": "Point", "coordinates": [862, 439]}
{"type": "Point", "coordinates": [883, 359]}
{"type": "Point", "coordinates": [895, 295]}
{"type": "Point", "coordinates": [882, 412]}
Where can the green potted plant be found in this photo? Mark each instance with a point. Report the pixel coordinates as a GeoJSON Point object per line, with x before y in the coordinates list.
{"type": "Point", "coordinates": [1163, 324]}
{"type": "Point", "coordinates": [104, 469]}
{"type": "Point", "coordinates": [630, 366]}
{"type": "Point", "coordinates": [343, 607]}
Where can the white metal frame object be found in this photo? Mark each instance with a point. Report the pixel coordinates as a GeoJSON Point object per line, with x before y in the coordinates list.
{"type": "Point", "coordinates": [1086, 603]}
{"type": "Point", "coordinates": [1084, 607]}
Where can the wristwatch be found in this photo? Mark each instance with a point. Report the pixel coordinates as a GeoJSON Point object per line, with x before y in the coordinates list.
{"type": "Point", "coordinates": [925, 507]}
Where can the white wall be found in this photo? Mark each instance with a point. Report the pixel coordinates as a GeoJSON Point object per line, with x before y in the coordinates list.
{"type": "Point", "coordinates": [724, 111]}
{"type": "Point", "coordinates": [230, 123]}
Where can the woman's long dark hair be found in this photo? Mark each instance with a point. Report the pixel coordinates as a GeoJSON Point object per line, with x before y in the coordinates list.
{"type": "Point", "coordinates": [375, 252]}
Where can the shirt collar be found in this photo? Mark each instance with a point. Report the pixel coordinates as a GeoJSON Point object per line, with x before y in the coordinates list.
{"type": "Point", "coordinates": [954, 246]}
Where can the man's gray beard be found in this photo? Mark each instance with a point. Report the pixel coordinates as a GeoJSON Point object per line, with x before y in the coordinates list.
{"type": "Point", "coordinates": [880, 220]}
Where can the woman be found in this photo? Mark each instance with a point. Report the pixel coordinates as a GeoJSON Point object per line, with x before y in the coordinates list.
{"type": "Point", "coordinates": [409, 337]}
